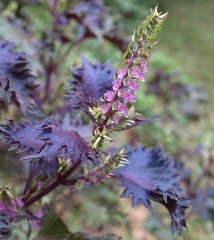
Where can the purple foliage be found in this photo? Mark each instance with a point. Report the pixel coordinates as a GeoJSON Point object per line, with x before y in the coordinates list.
{"type": "Point", "coordinates": [21, 137]}
{"type": "Point", "coordinates": [92, 15]}
{"type": "Point", "coordinates": [43, 166]}
{"type": "Point", "coordinates": [11, 208]}
{"type": "Point", "coordinates": [5, 225]}
{"type": "Point", "coordinates": [16, 78]}
{"type": "Point", "coordinates": [92, 20]}
{"type": "Point", "coordinates": [63, 143]}
{"type": "Point", "coordinates": [150, 175]}
{"type": "Point", "coordinates": [89, 83]}
{"type": "Point", "coordinates": [76, 124]}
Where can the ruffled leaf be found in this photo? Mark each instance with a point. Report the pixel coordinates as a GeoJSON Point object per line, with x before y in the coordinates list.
{"type": "Point", "coordinates": [46, 141]}
{"type": "Point", "coordinates": [77, 125]}
{"type": "Point", "coordinates": [21, 137]}
{"type": "Point", "coordinates": [16, 78]}
{"type": "Point", "coordinates": [63, 143]}
{"type": "Point", "coordinates": [89, 83]}
{"type": "Point", "coordinates": [149, 175]}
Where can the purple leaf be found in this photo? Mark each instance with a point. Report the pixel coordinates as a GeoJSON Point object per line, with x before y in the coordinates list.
{"type": "Point", "coordinates": [21, 137]}
{"type": "Point", "coordinates": [93, 16]}
{"type": "Point", "coordinates": [45, 142]}
{"type": "Point", "coordinates": [93, 20]}
{"type": "Point", "coordinates": [47, 166]}
{"type": "Point", "coordinates": [5, 225]}
{"type": "Point", "coordinates": [16, 78]}
{"type": "Point", "coordinates": [76, 124]}
{"type": "Point", "coordinates": [149, 175]}
{"type": "Point", "coordinates": [63, 143]}
{"type": "Point", "coordinates": [89, 83]}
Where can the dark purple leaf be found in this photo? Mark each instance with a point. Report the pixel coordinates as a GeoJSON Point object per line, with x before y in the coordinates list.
{"type": "Point", "coordinates": [43, 166]}
{"type": "Point", "coordinates": [5, 226]}
{"type": "Point", "coordinates": [21, 137]}
{"type": "Point", "coordinates": [149, 175]}
{"type": "Point", "coordinates": [89, 83]}
{"type": "Point", "coordinates": [16, 78]}
{"type": "Point", "coordinates": [63, 143]}
{"type": "Point", "coordinates": [76, 124]}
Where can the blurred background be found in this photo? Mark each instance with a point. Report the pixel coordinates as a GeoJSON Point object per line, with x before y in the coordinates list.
{"type": "Point", "coordinates": [178, 89]}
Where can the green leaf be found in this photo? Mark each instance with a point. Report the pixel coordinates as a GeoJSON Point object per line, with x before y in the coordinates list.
{"type": "Point", "coordinates": [52, 227]}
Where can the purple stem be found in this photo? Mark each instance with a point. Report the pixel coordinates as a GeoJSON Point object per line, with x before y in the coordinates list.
{"type": "Point", "coordinates": [53, 185]}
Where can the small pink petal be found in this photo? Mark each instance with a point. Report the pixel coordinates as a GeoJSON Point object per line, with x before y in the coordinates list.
{"type": "Point", "coordinates": [132, 84]}
{"type": "Point", "coordinates": [116, 84]}
{"type": "Point", "coordinates": [128, 97]}
{"type": "Point", "coordinates": [121, 73]}
{"type": "Point", "coordinates": [123, 109]}
{"type": "Point", "coordinates": [105, 107]}
{"type": "Point", "coordinates": [143, 66]}
{"type": "Point", "coordinates": [128, 61]}
{"type": "Point", "coordinates": [116, 118]}
{"type": "Point", "coordinates": [109, 95]}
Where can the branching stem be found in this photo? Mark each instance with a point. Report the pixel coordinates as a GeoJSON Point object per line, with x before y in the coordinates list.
{"type": "Point", "coordinates": [53, 185]}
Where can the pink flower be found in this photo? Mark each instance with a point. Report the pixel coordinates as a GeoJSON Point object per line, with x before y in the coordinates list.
{"type": "Point", "coordinates": [109, 95]}
{"type": "Point", "coordinates": [128, 97]}
{"type": "Point", "coordinates": [116, 84]}
{"type": "Point", "coordinates": [133, 85]}
{"type": "Point", "coordinates": [128, 61]}
{"type": "Point", "coordinates": [116, 118]}
{"type": "Point", "coordinates": [105, 107]}
{"type": "Point", "coordinates": [123, 109]}
{"type": "Point", "coordinates": [132, 98]}
{"type": "Point", "coordinates": [143, 66]}
{"type": "Point", "coordinates": [11, 207]}
{"type": "Point", "coordinates": [137, 73]}
{"type": "Point", "coordinates": [121, 73]}
{"type": "Point", "coordinates": [2, 208]}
